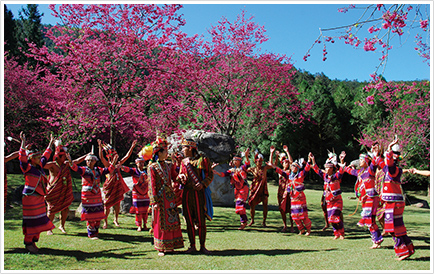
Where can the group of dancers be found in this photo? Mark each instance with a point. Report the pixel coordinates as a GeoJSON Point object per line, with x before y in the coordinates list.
{"type": "Point", "coordinates": [161, 186]}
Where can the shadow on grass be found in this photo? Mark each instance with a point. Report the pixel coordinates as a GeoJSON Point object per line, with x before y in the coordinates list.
{"type": "Point", "coordinates": [103, 236]}
{"type": "Point", "coordinates": [81, 255]}
{"type": "Point", "coordinates": [421, 259]}
{"type": "Point", "coordinates": [246, 252]}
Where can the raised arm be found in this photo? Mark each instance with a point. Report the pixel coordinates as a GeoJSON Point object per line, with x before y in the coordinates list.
{"type": "Point", "coordinates": [246, 154]}
{"type": "Point", "coordinates": [101, 155]}
{"type": "Point", "coordinates": [47, 152]}
{"type": "Point", "coordinates": [272, 150]}
{"type": "Point", "coordinates": [421, 172]}
{"type": "Point", "coordinates": [123, 160]}
{"type": "Point", "coordinates": [285, 148]}
{"type": "Point", "coordinates": [80, 159]}
{"type": "Point", "coordinates": [11, 156]}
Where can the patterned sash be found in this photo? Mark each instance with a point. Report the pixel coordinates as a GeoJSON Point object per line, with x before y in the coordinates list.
{"type": "Point", "coordinates": [190, 171]}
{"type": "Point", "coordinates": [59, 193]}
{"type": "Point", "coordinates": [114, 189]}
{"type": "Point", "coordinates": [209, 212]}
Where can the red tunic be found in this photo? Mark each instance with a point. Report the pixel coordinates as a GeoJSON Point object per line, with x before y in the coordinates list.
{"type": "Point", "coordinates": [166, 224]}
{"type": "Point", "coordinates": [35, 218]}
{"type": "Point", "coordinates": [59, 191]}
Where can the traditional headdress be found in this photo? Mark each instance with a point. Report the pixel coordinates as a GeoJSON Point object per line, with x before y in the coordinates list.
{"type": "Point", "coordinates": [366, 156]}
{"type": "Point", "coordinates": [109, 150]}
{"type": "Point", "coordinates": [396, 149]}
{"type": "Point", "coordinates": [298, 163]}
{"type": "Point", "coordinates": [258, 155]}
{"type": "Point", "coordinates": [60, 150]}
{"type": "Point", "coordinates": [140, 159]}
{"type": "Point", "coordinates": [188, 142]}
{"type": "Point", "coordinates": [282, 157]}
{"type": "Point", "coordinates": [159, 143]}
{"type": "Point", "coordinates": [32, 151]}
{"type": "Point", "coordinates": [146, 152]}
{"type": "Point", "coordinates": [331, 160]}
{"type": "Point", "coordinates": [237, 158]}
{"type": "Point", "coordinates": [91, 156]}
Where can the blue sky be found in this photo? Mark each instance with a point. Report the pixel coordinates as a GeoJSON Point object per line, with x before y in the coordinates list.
{"type": "Point", "coordinates": [292, 28]}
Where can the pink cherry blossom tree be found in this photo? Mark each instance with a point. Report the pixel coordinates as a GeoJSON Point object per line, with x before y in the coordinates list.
{"type": "Point", "coordinates": [230, 86]}
{"type": "Point", "coordinates": [25, 98]}
{"type": "Point", "coordinates": [107, 64]}
{"type": "Point", "coordinates": [408, 116]}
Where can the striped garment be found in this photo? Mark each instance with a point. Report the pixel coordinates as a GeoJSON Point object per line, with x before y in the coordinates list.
{"type": "Point", "coordinates": [140, 189]}
{"type": "Point", "coordinates": [367, 191]}
{"type": "Point", "coordinates": [333, 197]}
{"type": "Point", "coordinates": [259, 187]}
{"type": "Point", "coordinates": [283, 198]}
{"type": "Point", "coordinates": [394, 205]}
{"type": "Point", "coordinates": [194, 203]}
{"type": "Point", "coordinates": [114, 189]}
{"type": "Point", "coordinates": [35, 218]}
{"type": "Point", "coordinates": [59, 191]}
{"type": "Point", "coordinates": [394, 223]}
{"type": "Point", "coordinates": [91, 198]}
{"type": "Point", "coordinates": [295, 189]}
{"type": "Point", "coordinates": [165, 218]}
{"type": "Point", "coordinates": [241, 187]}
{"type": "Point", "coordinates": [379, 181]}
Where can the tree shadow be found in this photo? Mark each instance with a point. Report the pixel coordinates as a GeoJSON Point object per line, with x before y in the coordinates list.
{"type": "Point", "coordinates": [81, 255]}
{"type": "Point", "coordinates": [244, 252]}
{"type": "Point", "coordinates": [103, 236]}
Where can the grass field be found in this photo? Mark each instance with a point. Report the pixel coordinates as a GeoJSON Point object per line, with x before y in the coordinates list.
{"type": "Point", "coordinates": [254, 248]}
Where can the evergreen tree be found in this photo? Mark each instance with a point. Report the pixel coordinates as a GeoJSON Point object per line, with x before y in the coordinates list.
{"type": "Point", "coordinates": [9, 33]}
{"type": "Point", "coordinates": [29, 30]}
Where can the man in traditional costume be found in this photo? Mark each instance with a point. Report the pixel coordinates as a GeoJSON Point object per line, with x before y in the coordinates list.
{"type": "Point", "coordinates": [238, 176]}
{"type": "Point", "coordinates": [283, 198]}
{"type": "Point", "coordinates": [196, 175]}
{"type": "Point", "coordinates": [59, 190]}
{"type": "Point", "coordinates": [332, 192]}
{"type": "Point", "coordinates": [393, 198]}
{"type": "Point", "coordinates": [368, 196]}
{"type": "Point", "coordinates": [91, 198]}
{"type": "Point", "coordinates": [35, 218]}
{"type": "Point", "coordinates": [166, 225]}
{"type": "Point", "coordinates": [140, 192]}
{"type": "Point", "coordinates": [114, 186]}
{"type": "Point", "coordinates": [258, 188]}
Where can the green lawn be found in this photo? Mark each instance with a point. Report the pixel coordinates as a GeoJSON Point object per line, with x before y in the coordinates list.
{"type": "Point", "coordinates": [255, 248]}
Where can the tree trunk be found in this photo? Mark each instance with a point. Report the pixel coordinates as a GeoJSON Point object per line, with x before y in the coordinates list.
{"type": "Point", "coordinates": [112, 135]}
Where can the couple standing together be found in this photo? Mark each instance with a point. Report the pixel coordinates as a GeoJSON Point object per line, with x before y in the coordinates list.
{"type": "Point", "coordinates": [188, 178]}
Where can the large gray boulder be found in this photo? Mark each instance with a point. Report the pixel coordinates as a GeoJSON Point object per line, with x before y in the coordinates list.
{"type": "Point", "coordinates": [127, 202]}
{"type": "Point", "coordinates": [219, 148]}
{"type": "Point", "coordinates": [221, 192]}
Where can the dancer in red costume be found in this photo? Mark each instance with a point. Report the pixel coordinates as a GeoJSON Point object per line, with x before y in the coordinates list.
{"type": "Point", "coordinates": [166, 226]}
{"type": "Point", "coordinates": [35, 219]}
{"type": "Point", "coordinates": [238, 176]}
{"type": "Point", "coordinates": [114, 186]}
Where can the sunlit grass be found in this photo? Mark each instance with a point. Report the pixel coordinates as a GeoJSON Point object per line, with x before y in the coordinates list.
{"type": "Point", "coordinates": [254, 248]}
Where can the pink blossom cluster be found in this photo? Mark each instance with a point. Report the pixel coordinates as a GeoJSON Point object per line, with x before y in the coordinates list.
{"type": "Point", "coordinates": [395, 20]}
{"type": "Point", "coordinates": [345, 9]}
{"type": "Point", "coordinates": [128, 70]}
{"type": "Point", "coordinates": [408, 111]}
{"type": "Point", "coordinates": [389, 20]}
